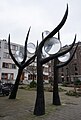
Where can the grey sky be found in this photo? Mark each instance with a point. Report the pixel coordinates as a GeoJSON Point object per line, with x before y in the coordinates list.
{"type": "Point", "coordinates": [16, 16]}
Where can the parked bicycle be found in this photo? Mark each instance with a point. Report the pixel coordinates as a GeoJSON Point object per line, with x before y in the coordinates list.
{"type": "Point", "coordinates": [5, 89]}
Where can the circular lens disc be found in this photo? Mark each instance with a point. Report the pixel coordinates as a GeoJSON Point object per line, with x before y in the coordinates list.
{"type": "Point", "coordinates": [31, 48]}
{"type": "Point", "coordinates": [19, 56]}
{"type": "Point", "coordinates": [64, 57]}
{"type": "Point", "coordinates": [52, 46]}
{"type": "Point", "coordinates": [45, 33]}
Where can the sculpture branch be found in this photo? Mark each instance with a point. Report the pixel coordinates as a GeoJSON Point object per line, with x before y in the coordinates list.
{"type": "Point", "coordinates": [56, 29]}
{"type": "Point", "coordinates": [20, 65]}
{"type": "Point", "coordinates": [29, 61]}
{"type": "Point", "coordinates": [10, 52]}
{"type": "Point", "coordinates": [45, 60]}
{"type": "Point", "coordinates": [65, 63]}
{"type": "Point", "coordinates": [25, 48]}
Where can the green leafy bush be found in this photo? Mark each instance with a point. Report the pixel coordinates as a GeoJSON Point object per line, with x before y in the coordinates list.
{"type": "Point", "coordinates": [33, 84]}
{"type": "Point", "coordinates": [65, 83]}
{"type": "Point", "coordinates": [77, 82]}
{"type": "Point", "coordinates": [61, 89]}
{"type": "Point", "coordinates": [73, 93]}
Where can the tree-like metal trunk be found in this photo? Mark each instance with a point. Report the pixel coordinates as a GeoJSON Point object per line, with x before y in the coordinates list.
{"type": "Point", "coordinates": [56, 98]}
{"type": "Point", "coordinates": [40, 103]}
{"type": "Point", "coordinates": [15, 87]}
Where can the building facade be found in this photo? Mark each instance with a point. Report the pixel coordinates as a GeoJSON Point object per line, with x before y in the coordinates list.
{"type": "Point", "coordinates": [73, 69]}
{"type": "Point", "coordinates": [8, 69]}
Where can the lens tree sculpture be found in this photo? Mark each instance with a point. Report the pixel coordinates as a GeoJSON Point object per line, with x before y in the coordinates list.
{"type": "Point", "coordinates": [39, 108]}
{"type": "Point", "coordinates": [40, 102]}
{"type": "Point", "coordinates": [21, 65]}
{"type": "Point", "coordinates": [57, 65]}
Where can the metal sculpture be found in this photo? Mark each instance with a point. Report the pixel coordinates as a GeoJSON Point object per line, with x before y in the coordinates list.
{"type": "Point", "coordinates": [21, 65]}
{"type": "Point", "coordinates": [40, 103]}
{"type": "Point", "coordinates": [57, 65]}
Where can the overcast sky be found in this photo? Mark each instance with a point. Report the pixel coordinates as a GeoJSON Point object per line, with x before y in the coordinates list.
{"type": "Point", "coordinates": [16, 16]}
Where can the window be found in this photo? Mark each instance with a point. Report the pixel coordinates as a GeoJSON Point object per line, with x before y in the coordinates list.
{"type": "Point", "coordinates": [10, 76]}
{"type": "Point", "coordinates": [75, 56]}
{"type": "Point", "coordinates": [6, 46]}
{"type": "Point", "coordinates": [4, 76]}
{"type": "Point", "coordinates": [21, 49]}
{"type": "Point", "coordinates": [13, 66]}
{"type": "Point", "coordinates": [9, 65]}
{"type": "Point", "coordinates": [5, 65]}
{"type": "Point", "coordinates": [30, 77]}
{"type": "Point", "coordinates": [76, 73]}
{"type": "Point", "coordinates": [6, 55]}
{"type": "Point", "coordinates": [7, 76]}
{"type": "Point", "coordinates": [14, 47]}
{"type": "Point", "coordinates": [75, 68]}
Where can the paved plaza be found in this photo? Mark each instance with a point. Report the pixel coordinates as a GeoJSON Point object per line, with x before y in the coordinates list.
{"type": "Point", "coordinates": [22, 107]}
{"type": "Point", "coordinates": [71, 111]}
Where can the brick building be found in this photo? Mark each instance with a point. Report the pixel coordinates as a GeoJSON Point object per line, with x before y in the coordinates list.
{"type": "Point", "coordinates": [73, 69]}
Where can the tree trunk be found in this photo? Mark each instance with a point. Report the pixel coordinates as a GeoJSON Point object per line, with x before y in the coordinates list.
{"type": "Point", "coordinates": [15, 87]}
